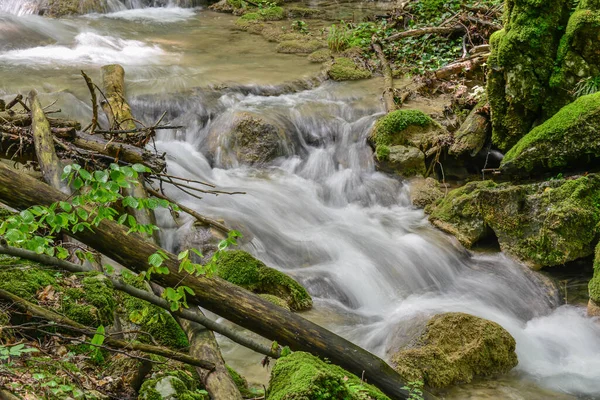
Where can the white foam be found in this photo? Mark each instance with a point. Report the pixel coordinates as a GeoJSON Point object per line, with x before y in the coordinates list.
{"type": "Point", "coordinates": [89, 48]}
{"type": "Point", "coordinates": [154, 14]}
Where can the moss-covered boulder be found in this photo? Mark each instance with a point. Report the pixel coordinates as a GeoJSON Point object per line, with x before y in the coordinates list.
{"type": "Point", "coordinates": [248, 138]}
{"type": "Point", "coordinates": [594, 287]}
{"type": "Point", "coordinates": [242, 269]}
{"type": "Point", "coordinates": [424, 192]}
{"type": "Point", "coordinates": [520, 65]}
{"type": "Point", "coordinates": [91, 302]}
{"type": "Point", "coordinates": [454, 348]}
{"type": "Point", "coordinates": [473, 133]}
{"type": "Point", "coordinates": [405, 128]}
{"type": "Point", "coordinates": [542, 224]}
{"type": "Point", "coordinates": [578, 57]}
{"type": "Point", "coordinates": [568, 140]}
{"type": "Point", "coordinates": [319, 56]}
{"type": "Point", "coordinates": [303, 376]}
{"type": "Point", "coordinates": [172, 385]}
{"type": "Point", "coordinates": [61, 8]}
{"type": "Point", "coordinates": [345, 69]}
{"type": "Point", "coordinates": [305, 45]}
{"type": "Point", "coordinates": [407, 161]}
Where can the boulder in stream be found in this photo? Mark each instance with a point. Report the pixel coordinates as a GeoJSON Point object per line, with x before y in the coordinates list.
{"type": "Point", "coordinates": [345, 69]}
{"type": "Point", "coordinates": [454, 348]}
{"type": "Point", "coordinates": [303, 376]}
{"type": "Point", "coordinates": [424, 192]}
{"type": "Point", "coordinates": [594, 287]}
{"type": "Point", "coordinates": [249, 139]}
{"type": "Point", "coordinates": [543, 224]}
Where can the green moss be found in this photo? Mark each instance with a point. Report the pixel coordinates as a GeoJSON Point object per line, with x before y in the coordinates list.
{"type": "Point", "coordinates": [303, 12]}
{"type": "Point", "coordinates": [521, 63]}
{"type": "Point", "coordinates": [165, 330]}
{"type": "Point", "coordinates": [459, 213]}
{"type": "Point", "coordinates": [181, 382]}
{"type": "Point", "coordinates": [235, 3]}
{"type": "Point", "coordinates": [302, 376]}
{"type": "Point", "coordinates": [345, 69]}
{"type": "Point", "coordinates": [400, 128]}
{"type": "Point", "coordinates": [242, 385]}
{"type": "Point", "coordinates": [276, 300]}
{"type": "Point", "coordinates": [252, 22]}
{"type": "Point", "coordinates": [455, 348]}
{"type": "Point", "coordinates": [93, 303]}
{"type": "Point", "coordinates": [568, 139]}
{"type": "Point", "coordinates": [240, 268]}
{"type": "Point", "coordinates": [303, 46]}
{"type": "Point", "coordinates": [594, 285]}
{"type": "Point", "coordinates": [272, 13]}
{"type": "Point", "coordinates": [319, 56]}
{"type": "Point", "coordinates": [25, 281]}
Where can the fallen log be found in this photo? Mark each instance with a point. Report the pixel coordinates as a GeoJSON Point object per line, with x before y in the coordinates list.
{"type": "Point", "coordinates": [460, 67]}
{"type": "Point", "coordinates": [115, 106]}
{"type": "Point", "coordinates": [110, 342]}
{"type": "Point", "coordinates": [426, 31]}
{"type": "Point", "coordinates": [121, 151]}
{"type": "Point", "coordinates": [223, 298]}
{"type": "Point", "coordinates": [22, 119]}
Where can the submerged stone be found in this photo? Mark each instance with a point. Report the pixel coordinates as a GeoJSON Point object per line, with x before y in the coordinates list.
{"type": "Point", "coordinates": [302, 376]}
{"type": "Point", "coordinates": [454, 348]}
{"type": "Point", "coordinates": [242, 269]}
{"type": "Point", "coordinates": [299, 46]}
{"type": "Point", "coordinates": [568, 140]}
{"type": "Point", "coordinates": [345, 69]}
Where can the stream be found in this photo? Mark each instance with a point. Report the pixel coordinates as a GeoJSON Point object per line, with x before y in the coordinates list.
{"type": "Point", "coordinates": [323, 214]}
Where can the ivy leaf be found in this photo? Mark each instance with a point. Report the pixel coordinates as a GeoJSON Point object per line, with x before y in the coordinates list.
{"type": "Point", "coordinates": [183, 254]}
{"type": "Point", "coordinates": [140, 168]}
{"type": "Point", "coordinates": [155, 260]}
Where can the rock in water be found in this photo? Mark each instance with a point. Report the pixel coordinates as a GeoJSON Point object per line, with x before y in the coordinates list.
{"type": "Point", "coordinates": [249, 139]}
{"type": "Point", "coordinates": [542, 224]}
{"type": "Point", "coordinates": [424, 192]}
{"type": "Point", "coordinates": [594, 287]}
{"type": "Point", "coordinates": [568, 140]}
{"type": "Point", "coordinates": [454, 348]}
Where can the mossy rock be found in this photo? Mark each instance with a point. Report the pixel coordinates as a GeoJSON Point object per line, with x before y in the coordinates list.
{"type": "Point", "coordinates": [455, 348]}
{"type": "Point", "coordinates": [345, 69]}
{"type": "Point", "coordinates": [406, 161]}
{"type": "Point", "coordinates": [153, 320]}
{"type": "Point", "coordinates": [594, 285]}
{"type": "Point", "coordinates": [62, 8]}
{"type": "Point", "coordinates": [303, 12]}
{"type": "Point", "coordinates": [404, 128]}
{"type": "Point", "coordinates": [242, 384]}
{"type": "Point", "coordinates": [319, 56]}
{"type": "Point", "coordinates": [302, 376]}
{"type": "Point", "coordinates": [424, 192]}
{"type": "Point", "coordinates": [242, 269]}
{"type": "Point", "coordinates": [22, 279]}
{"type": "Point", "coordinates": [251, 22]}
{"type": "Point", "coordinates": [459, 214]}
{"type": "Point", "coordinates": [520, 66]}
{"type": "Point", "coordinates": [250, 139]}
{"type": "Point", "coordinates": [473, 133]}
{"type": "Point", "coordinates": [299, 46]}
{"type": "Point", "coordinates": [172, 385]}
{"type": "Point", "coordinates": [568, 140]}
{"type": "Point", "coordinates": [91, 304]}
{"type": "Point", "coordinates": [272, 13]}
{"type": "Point", "coordinates": [578, 55]}
{"type": "Point", "coordinates": [278, 301]}
{"type": "Point", "coordinates": [542, 224]}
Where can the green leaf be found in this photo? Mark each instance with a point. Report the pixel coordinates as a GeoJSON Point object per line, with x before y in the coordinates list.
{"type": "Point", "coordinates": [155, 260]}
{"type": "Point", "coordinates": [130, 202]}
{"type": "Point", "coordinates": [122, 219]}
{"type": "Point", "coordinates": [197, 252]}
{"type": "Point", "coordinates": [65, 206]}
{"type": "Point", "coordinates": [85, 175]}
{"type": "Point", "coordinates": [140, 168]}
{"type": "Point", "coordinates": [183, 254]}
{"type": "Point", "coordinates": [101, 176]}
{"type": "Point", "coordinates": [82, 214]}
{"type": "Point", "coordinates": [98, 338]}
{"type": "Point", "coordinates": [77, 184]}
{"type": "Point", "coordinates": [136, 317]}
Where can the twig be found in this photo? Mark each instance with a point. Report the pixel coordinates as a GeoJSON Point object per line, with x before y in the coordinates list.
{"type": "Point", "coordinates": [90, 86]}
{"type": "Point", "coordinates": [187, 180]}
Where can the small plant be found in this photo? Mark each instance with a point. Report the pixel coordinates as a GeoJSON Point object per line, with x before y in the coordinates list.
{"type": "Point", "coordinates": [6, 353]}
{"type": "Point", "coordinates": [415, 390]}
{"type": "Point", "coordinates": [338, 38]}
{"type": "Point", "coordinates": [300, 26]}
{"type": "Point", "coordinates": [97, 341]}
{"type": "Point", "coordinates": [587, 86]}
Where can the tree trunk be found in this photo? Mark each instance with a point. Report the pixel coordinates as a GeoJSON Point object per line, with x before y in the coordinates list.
{"type": "Point", "coordinates": [214, 294]}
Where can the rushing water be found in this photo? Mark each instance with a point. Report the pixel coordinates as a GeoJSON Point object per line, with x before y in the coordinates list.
{"type": "Point", "coordinates": [323, 214]}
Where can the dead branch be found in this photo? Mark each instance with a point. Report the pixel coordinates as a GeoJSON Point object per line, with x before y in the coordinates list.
{"type": "Point", "coordinates": [426, 31]}
{"type": "Point", "coordinates": [92, 90]}
{"type": "Point", "coordinates": [388, 80]}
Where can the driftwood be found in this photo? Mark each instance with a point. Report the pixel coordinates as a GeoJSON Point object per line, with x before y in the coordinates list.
{"type": "Point", "coordinates": [461, 66]}
{"type": "Point", "coordinates": [115, 106]}
{"type": "Point", "coordinates": [426, 31]}
{"type": "Point", "coordinates": [110, 343]}
{"type": "Point", "coordinates": [24, 119]}
{"type": "Point", "coordinates": [388, 79]}
{"type": "Point", "coordinates": [225, 299]}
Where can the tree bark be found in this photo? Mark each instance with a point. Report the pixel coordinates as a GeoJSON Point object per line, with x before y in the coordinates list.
{"type": "Point", "coordinates": [44, 145]}
{"type": "Point", "coordinates": [426, 31]}
{"type": "Point", "coordinates": [460, 67]}
{"type": "Point", "coordinates": [214, 294]}
{"type": "Point", "coordinates": [388, 79]}
{"type": "Point", "coordinates": [21, 119]}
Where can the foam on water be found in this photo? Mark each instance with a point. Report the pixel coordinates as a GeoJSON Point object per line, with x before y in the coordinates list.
{"type": "Point", "coordinates": [152, 14]}
{"type": "Point", "coordinates": [89, 48]}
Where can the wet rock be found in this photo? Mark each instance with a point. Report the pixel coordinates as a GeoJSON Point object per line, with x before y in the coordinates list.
{"type": "Point", "coordinates": [278, 301]}
{"type": "Point", "coordinates": [303, 376]}
{"type": "Point", "coordinates": [520, 65]}
{"type": "Point", "coordinates": [594, 287]}
{"type": "Point", "coordinates": [424, 192]}
{"type": "Point", "coordinates": [248, 139]}
{"type": "Point", "coordinates": [454, 348]}
{"type": "Point", "coordinates": [543, 224]}
{"type": "Point", "coordinates": [405, 160]}
{"type": "Point", "coordinates": [61, 8]}
{"type": "Point", "coordinates": [242, 269]}
{"type": "Point", "coordinates": [568, 140]}
{"type": "Point", "coordinates": [345, 69]}
{"type": "Point", "coordinates": [320, 56]}
{"type": "Point", "coordinates": [472, 134]}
